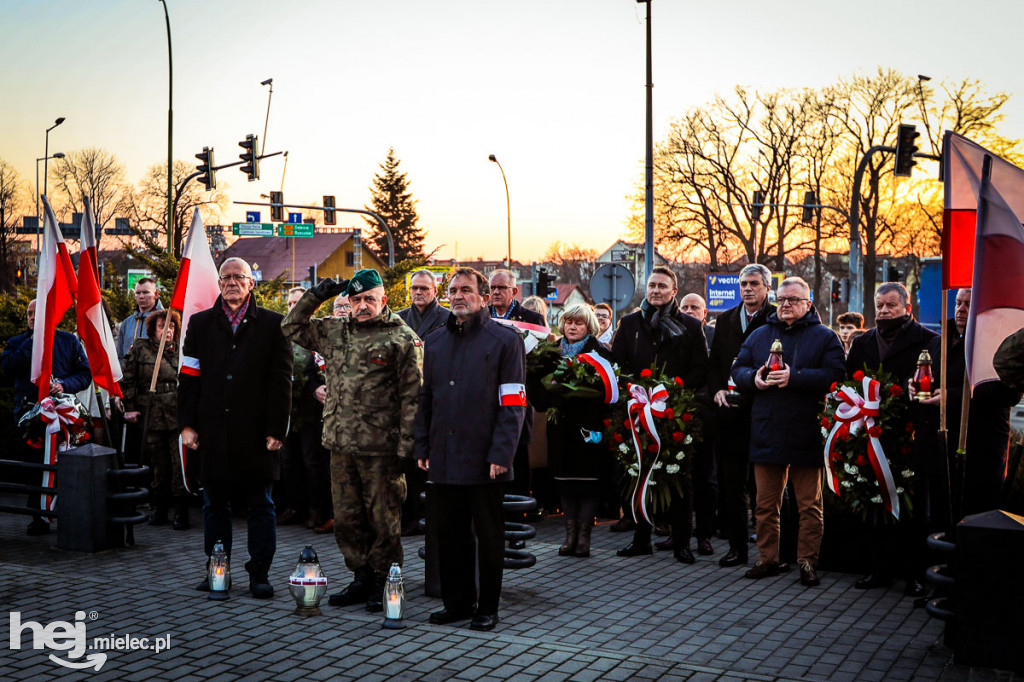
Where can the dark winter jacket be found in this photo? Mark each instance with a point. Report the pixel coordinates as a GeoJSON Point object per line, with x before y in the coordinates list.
{"type": "Point", "coordinates": [235, 390]}
{"type": "Point", "coordinates": [784, 420]}
{"type": "Point", "coordinates": [70, 366]}
{"type": "Point", "coordinates": [432, 318]}
{"type": "Point", "coordinates": [901, 357]}
{"type": "Point", "coordinates": [461, 428]}
{"type": "Point", "coordinates": [1009, 360]}
{"type": "Point", "coordinates": [679, 351]}
{"type": "Point", "coordinates": [729, 336]}
{"type": "Point", "coordinates": [569, 456]}
{"type": "Point", "coordinates": [162, 404]}
{"type": "Point", "coordinates": [131, 328]}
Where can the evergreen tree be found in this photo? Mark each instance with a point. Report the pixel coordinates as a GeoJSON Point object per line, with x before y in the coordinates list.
{"type": "Point", "coordinates": [393, 201]}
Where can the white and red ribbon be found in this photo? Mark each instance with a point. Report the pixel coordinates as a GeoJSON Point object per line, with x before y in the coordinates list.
{"type": "Point", "coordinates": [643, 407]}
{"type": "Point", "coordinates": [55, 414]}
{"type": "Point", "coordinates": [606, 372]}
{"type": "Point", "coordinates": [854, 412]}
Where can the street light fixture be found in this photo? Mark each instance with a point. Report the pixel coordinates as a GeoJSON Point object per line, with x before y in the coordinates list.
{"type": "Point", "coordinates": [170, 133]}
{"type": "Point", "coordinates": [508, 207]}
{"type": "Point", "coordinates": [39, 220]}
{"type": "Point", "coordinates": [46, 155]}
{"type": "Point", "coordinates": [270, 82]}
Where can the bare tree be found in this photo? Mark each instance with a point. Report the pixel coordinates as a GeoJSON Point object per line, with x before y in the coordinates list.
{"type": "Point", "coordinates": [91, 172]}
{"type": "Point", "coordinates": [14, 200]}
{"type": "Point", "coordinates": [572, 263]}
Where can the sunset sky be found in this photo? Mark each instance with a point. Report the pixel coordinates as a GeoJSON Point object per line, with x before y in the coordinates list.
{"type": "Point", "coordinates": [554, 89]}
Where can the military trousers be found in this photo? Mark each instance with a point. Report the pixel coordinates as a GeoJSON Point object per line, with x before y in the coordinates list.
{"type": "Point", "coordinates": [165, 459]}
{"type": "Point", "coordinates": [368, 492]}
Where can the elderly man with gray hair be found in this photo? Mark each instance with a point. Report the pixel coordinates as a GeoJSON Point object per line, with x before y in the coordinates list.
{"type": "Point", "coordinates": [424, 313]}
{"type": "Point", "coordinates": [733, 418]}
{"type": "Point", "coordinates": [785, 441]}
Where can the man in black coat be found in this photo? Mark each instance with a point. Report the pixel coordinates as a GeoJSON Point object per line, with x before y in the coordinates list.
{"type": "Point", "coordinates": [978, 475]}
{"type": "Point", "coordinates": [660, 337]}
{"type": "Point", "coordinates": [424, 316]}
{"type": "Point", "coordinates": [234, 399]}
{"type": "Point", "coordinates": [471, 411]}
{"type": "Point", "coordinates": [505, 306]}
{"type": "Point", "coordinates": [894, 345]}
{"type": "Point", "coordinates": [731, 329]}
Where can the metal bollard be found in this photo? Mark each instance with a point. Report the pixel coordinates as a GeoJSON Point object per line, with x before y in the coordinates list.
{"type": "Point", "coordinates": [82, 486]}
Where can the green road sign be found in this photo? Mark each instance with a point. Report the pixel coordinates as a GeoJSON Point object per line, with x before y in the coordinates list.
{"type": "Point", "coordinates": [252, 229]}
{"type": "Point", "coordinates": [295, 230]}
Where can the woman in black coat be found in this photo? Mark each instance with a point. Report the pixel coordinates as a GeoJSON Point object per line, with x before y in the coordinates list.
{"type": "Point", "coordinates": [575, 460]}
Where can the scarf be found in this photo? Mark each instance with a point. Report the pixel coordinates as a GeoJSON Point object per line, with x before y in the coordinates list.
{"type": "Point", "coordinates": [887, 332]}
{"type": "Point", "coordinates": [572, 349]}
{"type": "Point", "coordinates": [663, 318]}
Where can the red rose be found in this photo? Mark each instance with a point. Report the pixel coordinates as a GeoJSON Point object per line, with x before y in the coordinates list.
{"type": "Point", "coordinates": [568, 361]}
{"type": "Point", "coordinates": [626, 424]}
{"type": "Point", "coordinates": [607, 423]}
{"type": "Point", "coordinates": [617, 436]}
{"type": "Point", "coordinates": [677, 436]}
{"type": "Point", "coordinates": [645, 372]}
{"type": "Point", "coordinates": [909, 428]}
{"type": "Point", "coordinates": [858, 375]}
{"type": "Point", "coordinates": [687, 417]}
{"type": "Point", "coordinates": [652, 448]}
{"type": "Point", "coordinates": [832, 388]}
{"type": "Point", "coordinates": [895, 390]}
{"type": "Point", "coordinates": [825, 422]}
{"type": "Point", "coordinates": [678, 381]}
{"type": "Point", "coordinates": [875, 431]}
{"type": "Point", "coordinates": [835, 457]}
{"type": "Point", "coordinates": [843, 434]}
{"type": "Point", "coordinates": [670, 413]}
{"type": "Point", "coordinates": [861, 460]}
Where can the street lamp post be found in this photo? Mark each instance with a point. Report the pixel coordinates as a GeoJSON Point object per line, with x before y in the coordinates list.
{"type": "Point", "coordinates": [46, 156]}
{"type": "Point", "coordinates": [508, 207]}
{"type": "Point", "coordinates": [270, 95]}
{"type": "Point", "coordinates": [39, 219]}
{"type": "Point", "coordinates": [170, 133]}
{"type": "Point", "coordinates": [649, 166]}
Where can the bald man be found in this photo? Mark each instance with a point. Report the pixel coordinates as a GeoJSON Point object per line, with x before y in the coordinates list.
{"type": "Point", "coordinates": [694, 306]}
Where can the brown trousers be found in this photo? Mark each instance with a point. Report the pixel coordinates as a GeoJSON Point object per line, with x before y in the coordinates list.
{"type": "Point", "coordinates": [771, 484]}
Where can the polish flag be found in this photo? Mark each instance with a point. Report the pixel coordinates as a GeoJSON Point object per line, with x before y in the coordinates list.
{"type": "Point", "coordinates": [196, 287]}
{"type": "Point", "coordinates": [512, 395]}
{"type": "Point", "coordinates": [55, 294]}
{"type": "Point", "coordinates": [961, 175]}
{"type": "Point", "coordinates": [93, 326]}
{"type": "Point", "coordinates": [997, 292]}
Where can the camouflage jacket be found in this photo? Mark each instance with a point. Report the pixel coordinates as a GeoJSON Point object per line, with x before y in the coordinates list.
{"type": "Point", "coordinates": [306, 376]}
{"type": "Point", "coordinates": [138, 372]}
{"type": "Point", "coordinates": [374, 372]}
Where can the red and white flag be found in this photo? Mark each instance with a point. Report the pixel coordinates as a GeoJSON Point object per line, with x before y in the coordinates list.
{"type": "Point", "coordinates": [93, 326]}
{"type": "Point", "coordinates": [512, 395]}
{"type": "Point", "coordinates": [997, 294]}
{"type": "Point", "coordinates": [961, 176]}
{"type": "Point", "coordinates": [196, 287]}
{"type": "Point", "coordinates": [55, 294]}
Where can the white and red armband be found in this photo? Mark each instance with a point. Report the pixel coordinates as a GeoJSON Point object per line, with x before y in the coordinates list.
{"type": "Point", "coordinates": [512, 395]}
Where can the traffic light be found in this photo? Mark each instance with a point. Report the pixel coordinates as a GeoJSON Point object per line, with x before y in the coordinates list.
{"type": "Point", "coordinates": [330, 217]}
{"type": "Point", "coordinates": [837, 291]}
{"type": "Point", "coordinates": [890, 273]}
{"type": "Point", "coordinates": [19, 274]}
{"type": "Point", "coordinates": [276, 208]}
{"type": "Point", "coordinates": [250, 155]}
{"type": "Point", "coordinates": [206, 167]}
{"type": "Point", "coordinates": [905, 149]}
{"type": "Point", "coordinates": [312, 275]}
{"type": "Point", "coordinates": [756, 205]}
{"type": "Point", "coordinates": [545, 284]}
{"type": "Point", "coordinates": [809, 202]}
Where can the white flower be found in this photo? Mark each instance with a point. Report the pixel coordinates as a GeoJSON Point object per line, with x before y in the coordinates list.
{"type": "Point", "coordinates": [849, 468]}
{"type": "Point", "coordinates": [623, 448]}
{"type": "Point", "coordinates": [847, 484]}
{"type": "Point", "coordinates": [658, 465]}
{"type": "Point", "coordinates": [652, 482]}
{"type": "Point", "coordinates": [899, 491]}
{"type": "Point", "coordinates": [679, 456]}
{"type": "Point", "coordinates": [824, 432]}
{"type": "Point", "coordinates": [877, 499]}
{"type": "Point", "coordinates": [861, 479]}
{"type": "Point", "coordinates": [689, 439]}
{"type": "Point", "coordinates": [672, 469]}
{"type": "Point", "coordinates": [907, 473]}
{"type": "Point", "coordinates": [633, 471]}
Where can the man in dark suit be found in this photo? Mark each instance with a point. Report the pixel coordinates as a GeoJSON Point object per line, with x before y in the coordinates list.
{"type": "Point", "coordinates": [424, 314]}
{"type": "Point", "coordinates": [660, 337]}
{"type": "Point", "coordinates": [731, 330]}
{"type": "Point", "coordinates": [894, 345]}
{"type": "Point", "coordinates": [234, 400]}
{"type": "Point", "coordinates": [505, 306]}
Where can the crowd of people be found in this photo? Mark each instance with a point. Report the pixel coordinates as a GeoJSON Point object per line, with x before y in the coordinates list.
{"type": "Point", "coordinates": [341, 421]}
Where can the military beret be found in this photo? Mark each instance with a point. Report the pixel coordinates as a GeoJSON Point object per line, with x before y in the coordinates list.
{"type": "Point", "coordinates": [364, 280]}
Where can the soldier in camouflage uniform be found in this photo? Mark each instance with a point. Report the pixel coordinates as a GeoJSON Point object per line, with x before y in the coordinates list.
{"type": "Point", "coordinates": [374, 366]}
{"type": "Point", "coordinates": [161, 446]}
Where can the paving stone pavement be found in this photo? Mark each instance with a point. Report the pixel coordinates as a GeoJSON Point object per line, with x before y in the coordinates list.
{"type": "Point", "coordinates": [602, 618]}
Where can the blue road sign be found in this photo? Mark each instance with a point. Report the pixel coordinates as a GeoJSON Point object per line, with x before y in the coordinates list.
{"type": "Point", "coordinates": [723, 291]}
{"type": "Point", "coordinates": [252, 216]}
{"type": "Point", "coordinates": [294, 218]}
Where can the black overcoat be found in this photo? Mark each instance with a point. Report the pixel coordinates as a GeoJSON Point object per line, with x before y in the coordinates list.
{"type": "Point", "coordinates": [901, 360]}
{"type": "Point", "coordinates": [637, 347]}
{"type": "Point", "coordinates": [235, 390]}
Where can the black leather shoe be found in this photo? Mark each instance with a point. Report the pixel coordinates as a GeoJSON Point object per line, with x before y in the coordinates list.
{"type": "Point", "coordinates": [484, 621]}
{"type": "Point", "coordinates": [667, 544]}
{"type": "Point", "coordinates": [873, 580]}
{"type": "Point", "coordinates": [914, 588]}
{"type": "Point", "coordinates": [733, 558]}
{"type": "Point", "coordinates": [684, 556]}
{"type": "Point", "coordinates": [375, 598]}
{"type": "Point", "coordinates": [356, 593]}
{"type": "Point", "coordinates": [808, 575]}
{"type": "Point", "coordinates": [446, 616]}
{"type": "Point", "coordinates": [633, 549]}
{"type": "Point", "coordinates": [704, 547]}
{"type": "Point", "coordinates": [38, 527]}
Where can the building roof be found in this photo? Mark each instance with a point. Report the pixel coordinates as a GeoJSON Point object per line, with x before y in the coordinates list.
{"type": "Point", "coordinates": [273, 255]}
{"type": "Point", "coordinates": [563, 291]}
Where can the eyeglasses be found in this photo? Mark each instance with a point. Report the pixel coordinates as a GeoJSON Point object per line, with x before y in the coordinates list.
{"type": "Point", "coordinates": [343, 307]}
{"type": "Point", "coordinates": [500, 288]}
{"type": "Point", "coordinates": [237, 278]}
{"type": "Point", "coordinates": [790, 300]}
